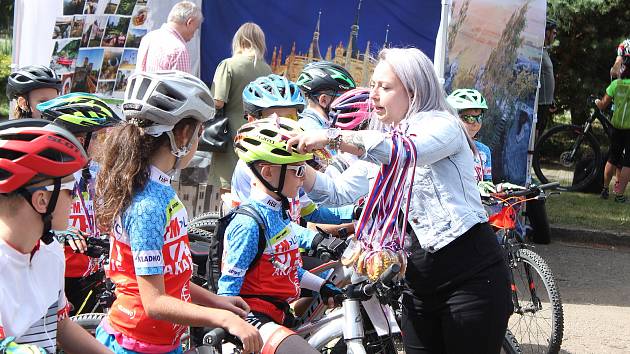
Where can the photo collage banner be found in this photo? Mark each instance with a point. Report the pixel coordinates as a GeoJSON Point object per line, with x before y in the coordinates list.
{"type": "Point", "coordinates": [96, 44]}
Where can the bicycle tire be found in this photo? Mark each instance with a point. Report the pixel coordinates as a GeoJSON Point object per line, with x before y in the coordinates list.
{"type": "Point", "coordinates": [212, 215]}
{"type": "Point", "coordinates": [510, 344]}
{"type": "Point", "coordinates": [89, 321]}
{"type": "Point", "coordinates": [530, 319]}
{"type": "Point", "coordinates": [552, 162]}
{"type": "Point", "coordinates": [206, 225]}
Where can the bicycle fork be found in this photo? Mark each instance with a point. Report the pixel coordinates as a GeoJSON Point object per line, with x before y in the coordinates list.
{"type": "Point", "coordinates": [353, 326]}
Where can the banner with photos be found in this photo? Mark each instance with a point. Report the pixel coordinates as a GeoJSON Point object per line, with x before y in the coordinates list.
{"type": "Point", "coordinates": [96, 44]}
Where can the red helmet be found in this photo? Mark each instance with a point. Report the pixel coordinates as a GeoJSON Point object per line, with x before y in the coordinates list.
{"type": "Point", "coordinates": [32, 150]}
{"type": "Point", "coordinates": [352, 109]}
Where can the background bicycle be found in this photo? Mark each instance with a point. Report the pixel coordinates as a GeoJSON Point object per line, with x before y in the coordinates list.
{"type": "Point", "coordinates": [538, 319]}
{"type": "Point", "coordinates": [571, 154]}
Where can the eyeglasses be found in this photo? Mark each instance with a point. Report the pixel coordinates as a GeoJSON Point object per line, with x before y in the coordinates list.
{"type": "Point", "coordinates": [472, 119]}
{"type": "Point", "coordinates": [65, 186]}
{"type": "Point", "coordinates": [300, 170]}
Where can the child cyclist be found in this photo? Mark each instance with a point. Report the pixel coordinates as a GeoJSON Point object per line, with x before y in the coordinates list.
{"type": "Point", "coordinates": [83, 115]}
{"type": "Point", "coordinates": [262, 98]}
{"type": "Point", "coordinates": [322, 82]}
{"type": "Point", "coordinates": [150, 260]}
{"type": "Point", "coordinates": [619, 90]}
{"type": "Point", "coordinates": [36, 166]}
{"type": "Point", "coordinates": [471, 106]}
{"type": "Point", "coordinates": [30, 86]}
{"type": "Point", "coordinates": [269, 284]}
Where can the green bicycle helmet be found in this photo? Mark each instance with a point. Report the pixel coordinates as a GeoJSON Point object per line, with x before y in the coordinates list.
{"type": "Point", "coordinates": [79, 113]}
{"type": "Point", "coordinates": [466, 99]}
{"type": "Point", "coordinates": [265, 140]}
{"type": "Point", "coordinates": [271, 91]}
{"type": "Point", "coordinates": [323, 76]}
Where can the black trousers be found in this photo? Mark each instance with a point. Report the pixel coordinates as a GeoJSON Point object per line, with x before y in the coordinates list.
{"type": "Point", "coordinates": [470, 318]}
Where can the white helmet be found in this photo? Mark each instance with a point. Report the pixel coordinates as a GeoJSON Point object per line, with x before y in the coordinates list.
{"type": "Point", "coordinates": [166, 97]}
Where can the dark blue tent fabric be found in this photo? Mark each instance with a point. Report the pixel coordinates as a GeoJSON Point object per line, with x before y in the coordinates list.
{"type": "Point", "coordinates": [411, 23]}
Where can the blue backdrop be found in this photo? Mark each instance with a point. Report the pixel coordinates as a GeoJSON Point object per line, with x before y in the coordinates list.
{"type": "Point", "coordinates": [411, 23]}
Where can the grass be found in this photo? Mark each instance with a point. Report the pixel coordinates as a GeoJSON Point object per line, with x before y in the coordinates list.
{"type": "Point", "coordinates": [585, 210]}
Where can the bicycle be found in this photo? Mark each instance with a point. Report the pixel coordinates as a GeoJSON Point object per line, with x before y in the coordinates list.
{"type": "Point", "coordinates": [571, 154]}
{"type": "Point", "coordinates": [538, 319]}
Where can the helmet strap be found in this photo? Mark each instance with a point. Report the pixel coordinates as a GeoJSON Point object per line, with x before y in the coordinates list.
{"type": "Point", "coordinates": [180, 152]}
{"type": "Point", "coordinates": [47, 234]}
{"type": "Point", "coordinates": [277, 190]}
{"type": "Point", "coordinates": [85, 173]}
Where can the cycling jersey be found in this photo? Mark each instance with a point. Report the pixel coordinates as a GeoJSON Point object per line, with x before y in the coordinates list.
{"type": "Point", "coordinates": [241, 188]}
{"type": "Point", "coordinates": [82, 218]}
{"type": "Point", "coordinates": [310, 120]}
{"type": "Point", "coordinates": [278, 274]}
{"type": "Point", "coordinates": [483, 162]}
{"type": "Point", "coordinates": [32, 297]}
{"type": "Point", "coordinates": [150, 238]}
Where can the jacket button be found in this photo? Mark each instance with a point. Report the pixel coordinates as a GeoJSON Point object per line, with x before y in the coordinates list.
{"type": "Point", "coordinates": [415, 220]}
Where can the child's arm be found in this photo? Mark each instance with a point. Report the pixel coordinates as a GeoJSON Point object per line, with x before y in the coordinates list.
{"type": "Point", "coordinates": [604, 102]}
{"type": "Point", "coordinates": [239, 250]}
{"type": "Point", "coordinates": [74, 339]}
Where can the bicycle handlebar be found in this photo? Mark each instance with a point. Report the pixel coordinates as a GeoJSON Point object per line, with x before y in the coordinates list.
{"type": "Point", "coordinates": [216, 336]}
{"type": "Point", "coordinates": [528, 191]}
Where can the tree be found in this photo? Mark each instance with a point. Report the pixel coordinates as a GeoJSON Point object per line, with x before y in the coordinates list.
{"type": "Point", "coordinates": [588, 33]}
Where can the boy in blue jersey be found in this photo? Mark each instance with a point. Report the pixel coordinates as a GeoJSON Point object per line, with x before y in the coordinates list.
{"type": "Point", "coordinates": [471, 106]}
{"type": "Point", "coordinates": [270, 281]}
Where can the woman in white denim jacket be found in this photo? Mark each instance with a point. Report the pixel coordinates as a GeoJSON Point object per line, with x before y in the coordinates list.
{"type": "Point", "coordinates": [458, 297]}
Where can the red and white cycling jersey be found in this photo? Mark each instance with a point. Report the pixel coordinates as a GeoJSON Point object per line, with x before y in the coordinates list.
{"type": "Point", "coordinates": [150, 238]}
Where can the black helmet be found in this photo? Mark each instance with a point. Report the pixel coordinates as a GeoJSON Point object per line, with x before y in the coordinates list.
{"type": "Point", "coordinates": [325, 76]}
{"type": "Point", "coordinates": [550, 24]}
{"type": "Point", "coordinates": [30, 78]}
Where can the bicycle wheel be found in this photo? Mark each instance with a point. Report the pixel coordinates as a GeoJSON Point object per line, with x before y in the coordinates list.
{"type": "Point", "coordinates": [538, 319]}
{"type": "Point", "coordinates": [510, 344]}
{"type": "Point", "coordinates": [373, 345]}
{"type": "Point", "coordinates": [566, 155]}
{"type": "Point", "coordinates": [89, 321]}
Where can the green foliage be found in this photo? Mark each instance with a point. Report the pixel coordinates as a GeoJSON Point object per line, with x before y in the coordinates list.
{"type": "Point", "coordinates": [585, 49]}
{"type": "Point", "coordinates": [5, 70]}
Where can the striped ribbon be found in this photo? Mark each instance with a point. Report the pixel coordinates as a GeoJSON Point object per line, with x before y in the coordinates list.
{"type": "Point", "coordinates": [378, 227]}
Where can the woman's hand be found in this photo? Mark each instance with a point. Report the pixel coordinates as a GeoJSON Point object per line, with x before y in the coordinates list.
{"type": "Point", "coordinates": [308, 141]}
{"type": "Point", "coordinates": [248, 334]}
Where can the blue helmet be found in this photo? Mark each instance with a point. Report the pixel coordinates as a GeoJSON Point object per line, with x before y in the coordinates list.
{"type": "Point", "coordinates": [271, 91]}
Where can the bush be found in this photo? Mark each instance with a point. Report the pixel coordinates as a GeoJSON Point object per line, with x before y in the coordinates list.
{"type": "Point", "coordinates": [588, 34]}
{"type": "Point", "coordinates": [5, 70]}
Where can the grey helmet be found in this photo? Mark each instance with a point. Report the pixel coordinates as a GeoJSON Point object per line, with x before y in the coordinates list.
{"type": "Point", "coordinates": [166, 97]}
{"type": "Point", "coordinates": [31, 77]}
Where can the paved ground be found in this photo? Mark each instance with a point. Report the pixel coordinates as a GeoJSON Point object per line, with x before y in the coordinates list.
{"type": "Point", "coordinates": [594, 282]}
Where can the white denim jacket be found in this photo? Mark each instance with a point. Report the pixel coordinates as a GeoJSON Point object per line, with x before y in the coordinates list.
{"type": "Point", "coordinates": [445, 202]}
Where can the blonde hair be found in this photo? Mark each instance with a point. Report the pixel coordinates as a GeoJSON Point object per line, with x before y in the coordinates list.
{"type": "Point", "coordinates": [249, 36]}
{"type": "Point", "coordinates": [417, 74]}
{"type": "Point", "coordinates": [184, 10]}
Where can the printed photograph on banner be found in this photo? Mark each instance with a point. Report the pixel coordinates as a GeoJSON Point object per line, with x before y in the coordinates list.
{"type": "Point", "coordinates": [97, 29]}
{"type": "Point", "coordinates": [76, 29]}
{"type": "Point", "coordinates": [111, 61]}
{"type": "Point", "coordinates": [134, 36]}
{"type": "Point", "coordinates": [142, 2]}
{"type": "Point", "coordinates": [87, 28]}
{"type": "Point", "coordinates": [66, 83]}
{"type": "Point", "coordinates": [73, 7]}
{"type": "Point", "coordinates": [139, 17]}
{"type": "Point", "coordinates": [125, 7]}
{"type": "Point", "coordinates": [87, 70]}
{"type": "Point", "coordinates": [116, 32]}
{"type": "Point", "coordinates": [91, 6]}
{"type": "Point", "coordinates": [105, 88]}
{"type": "Point", "coordinates": [129, 59]}
{"type": "Point", "coordinates": [111, 6]}
{"type": "Point", "coordinates": [64, 55]}
{"type": "Point", "coordinates": [500, 59]}
{"type": "Point", "coordinates": [63, 26]}
{"type": "Point", "coordinates": [121, 82]}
